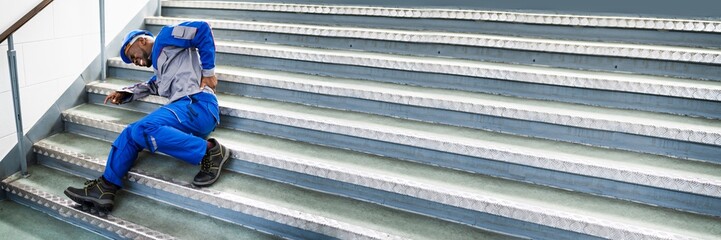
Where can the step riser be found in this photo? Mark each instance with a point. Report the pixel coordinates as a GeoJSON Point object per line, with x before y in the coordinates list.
{"type": "Point", "coordinates": [77, 222]}
{"type": "Point", "coordinates": [438, 210]}
{"type": "Point", "coordinates": [649, 195]}
{"type": "Point", "coordinates": [614, 99]}
{"type": "Point", "coordinates": [632, 51]}
{"type": "Point", "coordinates": [606, 98]}
{"type": "Point", "coordinates": [527, 160]}
{"type": "Point", "coordinates": [625, 141]}
{"type": "Point", "coordinates": [499, 124]}
{"type": "Point", "coordinates": [61, 208]}
{"type": "Point", "coordinates": [573, 61]}
{"type": "Point", "coordinates": [694, 39]}
{"type": "Point", "coordinates": [395, 200]}
{"type": "Point", "coordinates": [347, 65]}
{"type": "Point", "coordinates": [195, 205]}
{"type": "Point", "coordinates": [639, 193]}
{"type": "Point", "coordinates": [260, 224]}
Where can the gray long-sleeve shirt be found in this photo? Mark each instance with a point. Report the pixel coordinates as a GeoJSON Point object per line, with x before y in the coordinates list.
{"type": "Point", "coordinates": [181, 56]}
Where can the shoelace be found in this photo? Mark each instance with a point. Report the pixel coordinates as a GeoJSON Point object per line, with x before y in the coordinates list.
{"type": "Point", "coordinates": [205, 165]}
{"type": "Point", "coordinates": [91, 182]}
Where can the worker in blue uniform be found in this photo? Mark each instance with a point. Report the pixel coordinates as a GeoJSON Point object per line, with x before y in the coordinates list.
{"type": "Point", "coordinates": [183, 59]}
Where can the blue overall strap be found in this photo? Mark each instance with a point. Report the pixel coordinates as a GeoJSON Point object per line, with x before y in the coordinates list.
{"type": "Point", "coordinates": [195, 34]}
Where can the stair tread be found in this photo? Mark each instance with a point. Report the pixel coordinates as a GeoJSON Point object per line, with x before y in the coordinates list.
{"type": "Point", "coordinates": [550, 75]}
{"type": "Point", "coordinates": [21, 222]}
{"type": "Point", "coordinates": [617, 81]}
{"type": "Point", "coordinates": [662, 52]}
{"type": "Point", "coordinates": [520, 193]}
{"type": "Point", "coordinates": [580, 20]}
{"type": "Point", "coordinates": [701, 130]}
{"type": "Point", "coordinates": [482, 99]}
{"type": "Point", "coordinates": [146, 212]}
{"type": "Point", "coordinates": [350, 211]}
{"type": "Point", "coordinates": [584, 77]}
{"type": "Point", "coordinates": [596, 155]}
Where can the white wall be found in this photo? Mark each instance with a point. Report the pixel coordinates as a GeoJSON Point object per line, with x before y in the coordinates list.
{"type": "Point", "coordinates": [52, 51]}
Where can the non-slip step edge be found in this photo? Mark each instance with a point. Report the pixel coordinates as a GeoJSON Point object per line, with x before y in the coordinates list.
{"type": "Point", "coordinates": [64, 208]}
{"type": "Point", "coordinates": [594, 119]}
{"type": "Point", "coordinates": [681, 54]}
{"type": "Point", "coordinates": [689, 25]}
{"type": "Point", "coordinates": [237, 204]}
{"type": "Point", "coordinates": [672, 199]}
{"type": "Point", "coordinates": [545, 217]}
{"type": "Point", "coordinates": [530, 74]}
{"type": "Point", "coordinates": [591, 80]}
{"type": "Point", "coordinates": [543, 160]}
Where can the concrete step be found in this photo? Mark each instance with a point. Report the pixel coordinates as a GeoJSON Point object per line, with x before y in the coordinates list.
{"type": "Point", "coordinates": [462, 148]}
{"type": "Point", "coordinates": [43, 190]}
{"type": "Point", "coordinates": [707, 90]}
{"type": "Point", "coordinates": [22, 222]}
{"type": "Point", "coordinates": [685, 62]}
{"type": "Point", "coordinates": [529, 208]}
{"type": "Point", "coordinates": [666, 31]}
{"type": "Point", "coordinates": [678, 136]}
{"type": "Point", "coordinates": [617, 90]}
{"type": "Point", "coordinates": [289, 212]}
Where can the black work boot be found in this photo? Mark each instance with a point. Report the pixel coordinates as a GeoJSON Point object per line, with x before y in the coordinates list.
{"type": "Point", "coordinates": [211, 164]}
{"type": "Point", "coordinates": [97, 195]}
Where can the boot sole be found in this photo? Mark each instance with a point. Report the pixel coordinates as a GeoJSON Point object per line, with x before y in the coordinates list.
{"type": "Point", "coordinates": [99, 204]}
{"type": "Point", "coordinates": [226, 156]}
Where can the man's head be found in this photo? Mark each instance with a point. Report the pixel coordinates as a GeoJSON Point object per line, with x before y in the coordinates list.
{"type": "Point", "coordinates": [137, 48]}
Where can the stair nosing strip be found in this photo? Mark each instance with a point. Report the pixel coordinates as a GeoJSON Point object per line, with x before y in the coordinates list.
{"type": "Point", "coordinates": [64, 207]}
{"type": "Point", "coordinates": [689, 25]}
{"type": "Point", "coordinates": [294, 218]}
{"type": "Point", "coordinates": [502, 153]}
{"type": "Point", "coordinates": [499, 207]}
{"type": "Point", "coordinates": [509, 72]}
{"type": "Point", "coordinates": [691, 133]}
{"type": "Point", "coordinates": [668, 53]}
{"type": "Point", "coordinates": [538, 75]}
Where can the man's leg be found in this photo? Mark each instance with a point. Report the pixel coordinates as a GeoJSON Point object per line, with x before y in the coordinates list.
{"type": "Point", "coordinates": [122, 155]}
{"type": "Point", "coordinates": [100, 193]}
{"type": "Point", "coordinates": [168, 130]}
{"type": "Point", "coordinates": [179, 128]}
{"type": "Point", "coordinates": [173, 130]}
{"type": "Point", "coordinates": [202, 119]}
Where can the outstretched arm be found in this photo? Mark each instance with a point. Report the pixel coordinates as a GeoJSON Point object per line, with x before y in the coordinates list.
{"type": "Point", "coordinates": [134, 92]}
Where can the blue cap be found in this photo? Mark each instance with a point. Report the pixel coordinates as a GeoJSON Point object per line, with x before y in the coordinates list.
{"type": "Point", "coordinates": [128, 38]}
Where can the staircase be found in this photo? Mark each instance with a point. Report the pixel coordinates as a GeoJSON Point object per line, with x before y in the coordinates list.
{"type": "Point", "coordinates": [356, 122]}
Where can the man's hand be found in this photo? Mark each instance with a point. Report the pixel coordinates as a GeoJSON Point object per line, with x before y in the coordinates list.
{"type": "Point", "coordinates": [116, 97]}
{"type": "Point", "coordinates": [211, 82]}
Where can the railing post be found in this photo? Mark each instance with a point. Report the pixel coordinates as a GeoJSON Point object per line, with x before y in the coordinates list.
{"type": "Point", "coordinates": [157, 13]}
{"type": "Point", "coordinates": [103, 60]}
{"type": "Point", "coordinates": [12, 62]}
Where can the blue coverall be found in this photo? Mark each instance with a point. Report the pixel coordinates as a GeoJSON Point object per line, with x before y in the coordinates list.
{"type": "Point", "coordinates": [179, 128]}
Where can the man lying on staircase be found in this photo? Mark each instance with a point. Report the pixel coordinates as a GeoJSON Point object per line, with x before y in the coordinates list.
{"type": "Point", "coordinates": [183, 58]}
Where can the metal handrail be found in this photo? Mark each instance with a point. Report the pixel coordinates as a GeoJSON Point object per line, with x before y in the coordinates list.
{"type": "Point", "coordinates": [103, 60]}
{"type": "Point", "coordinates": [29, 15]}
{"type": "Point", "coordinates": [12, 62]}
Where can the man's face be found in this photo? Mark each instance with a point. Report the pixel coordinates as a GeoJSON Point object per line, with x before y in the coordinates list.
{"type": "Point", "coordinates": [137, 53]}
